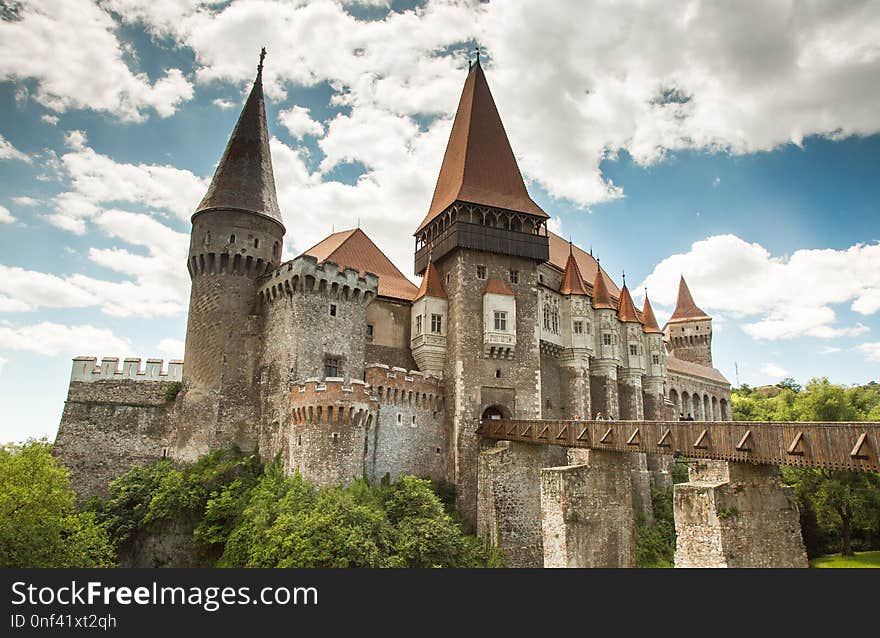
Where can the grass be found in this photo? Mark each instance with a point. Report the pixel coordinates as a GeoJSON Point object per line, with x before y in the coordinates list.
{"type": "Point", "coordinates": [861, 559]}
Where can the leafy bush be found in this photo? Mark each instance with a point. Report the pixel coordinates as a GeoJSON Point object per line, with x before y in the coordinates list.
{"type": "Point", "coordinates": [39, 524]}
{"type": "Point", "coordinates": [655, 542]}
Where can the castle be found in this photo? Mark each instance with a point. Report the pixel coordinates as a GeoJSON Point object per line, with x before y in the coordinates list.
{"type": "Point", "coordinates": [336, 362]}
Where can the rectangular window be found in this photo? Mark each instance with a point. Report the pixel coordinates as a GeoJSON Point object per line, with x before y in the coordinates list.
{"type": "Point", "coordinates": [370, 331]}
{"type": "Point", "coordinates": [655, 359]}
{"type": "Point", "coordinates": [481, 272]}
{"type": "Point", "coordinates": [333, 310]}
{"type": "Point", "coordinates": [633, 349]}
{"type": "Point", "coordinates": [514, 276]}
{"type": "Point", "coordinates": [331, 366]}
{"type": "Point", "coordinates": [606, 339]}
{"type": "Point", "coordinates": [436, 323]}
{"type": "Point", "coordinates": [579, 327]}
{"type": "Point", "coordinates": [418, 324]}
{"type": "Point", "coordinates": [500, 321]}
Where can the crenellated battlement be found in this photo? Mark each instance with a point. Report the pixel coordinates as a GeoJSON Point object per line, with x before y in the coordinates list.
{"type": "Point", "coordinates": [398, 386]}
{"type": "Point", "coordinates": [87, 370]}
{"type": "Point", "coordinates": [331, 400]}
{"type": "Point", "coordinates": [305, 275]}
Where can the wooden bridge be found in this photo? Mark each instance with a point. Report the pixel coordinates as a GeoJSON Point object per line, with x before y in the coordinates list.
{"type": "Point", "coordinates": [839, 446]}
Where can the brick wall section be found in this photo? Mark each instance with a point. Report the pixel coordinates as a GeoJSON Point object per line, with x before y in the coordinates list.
{"type": "Point", "coordinates": [737, 515]}
{"type": "Point", "coordinates": [509, 499]}
{"type": "Point", "coordinates": [409, 436]}
{"type": "Point", "coordinates": [110, 426]}
{"type": "Point", "coordinates": [587, 513]}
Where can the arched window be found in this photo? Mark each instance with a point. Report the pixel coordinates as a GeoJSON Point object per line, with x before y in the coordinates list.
{"type": "Point", "coordinates": [232, 239]}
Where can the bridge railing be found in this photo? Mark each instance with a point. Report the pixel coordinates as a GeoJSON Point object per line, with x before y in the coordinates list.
{"type": "Point", "coordinates": [843, 446]}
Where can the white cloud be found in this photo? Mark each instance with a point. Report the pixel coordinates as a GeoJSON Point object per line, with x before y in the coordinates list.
{"type": "Point", "coordinates": [773, 370]}
{"type": "Point", "coordinates": [52, 339]}
{"type": "Point", "coordinates": [298, 122]}
{"type": "Point", "coordinates": [871, 350]}
{"type": "Point", "coordinates": [789, 296]}
{"type": "Point", "coordinates": [5, 216]}
{"type": "Point", "coordinates": [223, 104]}
{"type": "Point", "coordinates": [554, 225]}
{"type": "Point", "coordinates": [3, 362]}
{"type": "Point", "coordinates": [49, 119]}
{"type": "Point", "coordinates": [24, 200]}
{"type": "Point", "coordinates": [70, 48]}
{"type": "Point", "coordinates": [173, 348]}
{"type": "Point", "coordinates": [8, 151]}
{"type": "Point", "coordinates": [828, 350]}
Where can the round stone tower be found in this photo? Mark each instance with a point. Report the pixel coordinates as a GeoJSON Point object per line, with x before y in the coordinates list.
{"type": "Point", "coordinates": [237, 234]}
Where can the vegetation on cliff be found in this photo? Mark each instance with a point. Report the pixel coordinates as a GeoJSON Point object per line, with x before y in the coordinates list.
{"type": "Point", "coordinates": [39, 523]}
{"type": "Point", "coordinates": [840, 511]}
{"type": "Point", "coordinates": [245, 515]}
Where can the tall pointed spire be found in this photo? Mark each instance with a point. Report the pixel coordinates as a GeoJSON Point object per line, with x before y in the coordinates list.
{"type": "Point", "coordinates": [626, 309]}
{"type": "Point", "coordinates": [479, 165]}
{"type": "Point", "coordinates": [685, 308]}
{"type": "Point", "coordinates": [432, 286]}
{"type": "Point", "coordinates": [648, 318]}
{"type": "Point", "coordinates": [601, 296]}
{"type": "Point", "coordinates": [572, 280]}
{"type": "Point", "coordinates": [244, 179]}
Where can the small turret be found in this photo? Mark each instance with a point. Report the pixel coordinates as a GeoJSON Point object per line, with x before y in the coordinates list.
{"type": "Point", "coordinates": [688, 332]}
{"type": "Point", "coordinates": [429, 323]}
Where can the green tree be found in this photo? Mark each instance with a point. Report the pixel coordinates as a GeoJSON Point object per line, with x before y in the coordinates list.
{"type": "Point", "coordinates": [39, 524]}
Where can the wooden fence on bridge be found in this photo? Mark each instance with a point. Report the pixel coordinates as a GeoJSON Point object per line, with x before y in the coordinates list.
{"type": "Point", "coordinates": [841, 446]}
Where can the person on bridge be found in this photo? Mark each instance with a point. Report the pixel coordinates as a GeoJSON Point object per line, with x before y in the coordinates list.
{"type": "Point", "coordinates": [600, 416]}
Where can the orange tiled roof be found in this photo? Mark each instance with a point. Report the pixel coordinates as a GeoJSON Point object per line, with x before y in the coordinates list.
{"type": "Point", "coordinates": [354, 249]}
{"type": "Point", "coordinates": [587, 264]}
{"type": "Point", "coordinates": [498, 287]}
{"type": "Point", "coordinates": [479, 165]}
{"type": "Point", "coordinates": [648, 318]}
{"type": "Point", "coordinates": [601, 296]}
{"type": "Point", "coordinates": [685, 308]}
{"type": "Point", "coordinates": [431, 286]}
{"type": "Point", "coordinates": [244, 179]}
{"type": "Point", "coordinates": [572, 281]}
{"type": "Point", "coordinates": [626, 309]}
{"type": "Point", "coordinates": [695, 370]}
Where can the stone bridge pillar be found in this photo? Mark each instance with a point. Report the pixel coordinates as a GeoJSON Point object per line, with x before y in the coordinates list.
{"type": "Point", "coordinates": [736, 515]}
{"type": "Point", "coordinates": [587, 515]}
{"type": "Point", "coordinates": [509, 499]}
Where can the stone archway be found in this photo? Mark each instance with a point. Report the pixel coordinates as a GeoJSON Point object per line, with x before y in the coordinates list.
{"type": "Point", "coordinates": [495, 412]}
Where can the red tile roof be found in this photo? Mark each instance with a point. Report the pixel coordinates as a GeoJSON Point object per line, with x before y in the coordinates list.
{"type": "Point", "coordinates": [572, 281]}
{"type": "Point", "coordinates": [679, 366]}
{"type": "Point", "coordinates": [431, 286]}
{"type": "Point", "coordinates": [498, 287]}
{"type": "Point", "coordinates": [685, 308]}
{"type": "Point", "coordinates": [354, 249]}
{"type": "Point", "coordinates": [587, 264]}
{"type": "Point", "coordinates": [648, 317]}
{"type": "Point", "coordinates": [601, 296]}
{"type": "Point", "coordinates": [626, 309]}
{"type": "Point", "coordinates": [479, 165]}
{"type": "Point", "coordinates": [244, 179]}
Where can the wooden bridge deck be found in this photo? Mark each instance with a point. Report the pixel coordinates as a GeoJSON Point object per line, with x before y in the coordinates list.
{"type": "Point", "coordinates": [842, 446]}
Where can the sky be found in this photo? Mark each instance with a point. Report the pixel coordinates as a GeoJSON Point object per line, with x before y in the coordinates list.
{"type": "Point", "coordinates": [737, 144]}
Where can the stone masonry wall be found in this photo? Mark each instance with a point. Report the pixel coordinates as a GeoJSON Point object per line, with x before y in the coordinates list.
{"type": "Point", "coordinates": [109, 426]}
{"type": "Point", "coordinates": [736, 515]}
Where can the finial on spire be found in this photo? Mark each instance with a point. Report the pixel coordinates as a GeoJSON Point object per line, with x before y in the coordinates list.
{"type": "Point", "coordinates": [477, 51]}
{"type": "Point", "coordinates": [262, 57]}
{"type": "Point", "coordinates": [570, 249]}
{"type": "Point", "coordinates": [623, 273]}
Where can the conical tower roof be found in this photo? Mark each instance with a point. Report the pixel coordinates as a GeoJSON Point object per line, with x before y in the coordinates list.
{"type": "Point", "coordinates": [479, 165]}
{"type": "Point", "coordinates": [244, 179]}
{"type": "Point", "coordinates": [685, 308]}
{"type": "Point", "coordinates": [601, 296]}
{"type": "Point", "coordinates": [626, 309]}
{"type": "Point", "coordinates": [572, 281]}
{"type": "Point", "coordinates": [648, 318]}
{"type": "Point", "coordinates": [431, 286]}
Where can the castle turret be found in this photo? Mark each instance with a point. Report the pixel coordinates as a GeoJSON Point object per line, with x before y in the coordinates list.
{"type": "Point", "coordinates": [655, 365]}
{"type": "Point", "coordinates": [603, 367]}
{"type": "Point", "coordinates": [237, 234]}
{"type": "Point", "coordinates": [688, 332]}
{"type": "Point", "coordinates": [633, 358]}
{"type": "Point", "coordinates": [429, 324]}
{"type": "Point", "coordinates": [577, 334]}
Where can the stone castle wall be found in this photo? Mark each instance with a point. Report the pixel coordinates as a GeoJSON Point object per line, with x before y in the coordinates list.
{"type": "Point", "coordinates": [114, 419]}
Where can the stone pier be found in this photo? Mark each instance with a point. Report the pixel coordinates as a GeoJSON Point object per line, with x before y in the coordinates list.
{"type": "Point", "coordinates": [509, 499]}
{"type": "Point", "coordinates": [736, 515]}
{"type": "Point", "coordinates": [587, 517]}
